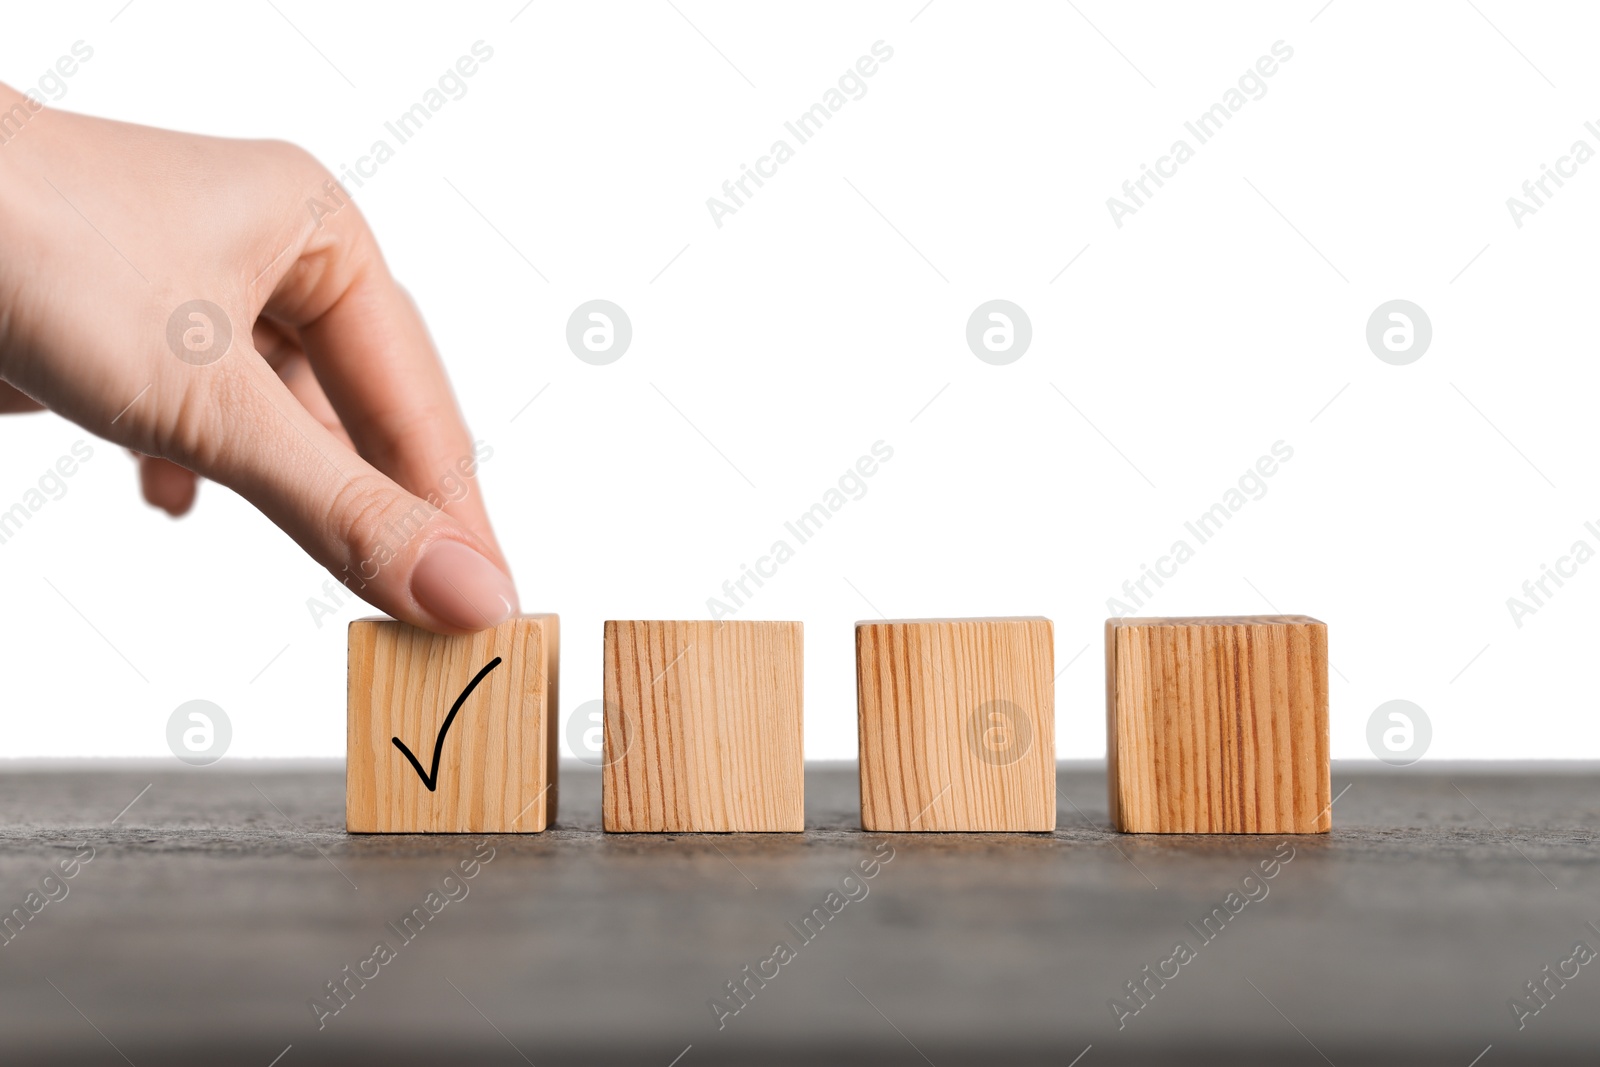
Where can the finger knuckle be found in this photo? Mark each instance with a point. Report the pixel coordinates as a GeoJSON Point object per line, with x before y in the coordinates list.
{"type": "Point", "coordinates": [376, 521]}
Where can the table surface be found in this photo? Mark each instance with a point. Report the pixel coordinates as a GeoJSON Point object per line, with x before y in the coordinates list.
{"type": "Point", "coordinates": [221, 902]}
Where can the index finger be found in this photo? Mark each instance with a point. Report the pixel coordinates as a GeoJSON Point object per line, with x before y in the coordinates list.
{"type": "Point", "coordinates": [378, 366]}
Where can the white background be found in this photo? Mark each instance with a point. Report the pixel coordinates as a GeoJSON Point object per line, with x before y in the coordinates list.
{"type": "Point", "coordinates": [1165, 360]}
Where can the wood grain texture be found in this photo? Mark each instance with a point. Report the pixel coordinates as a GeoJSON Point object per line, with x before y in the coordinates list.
{"type": "Point", "coordinates": [1218, 725]}
{"type": "Point", "coordinates": [497, 764]}
{"type": "Point", "coordinates": [703, 727]}
{"type": "Point", "coordinates": [956, 724]}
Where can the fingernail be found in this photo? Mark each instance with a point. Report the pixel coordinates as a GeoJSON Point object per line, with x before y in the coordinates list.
{"type": "Point", "coordinates": [461, 587]}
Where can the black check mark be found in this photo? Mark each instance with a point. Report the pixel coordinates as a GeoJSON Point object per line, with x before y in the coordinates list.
{"type": "Point", "coordinates": [431, 778]}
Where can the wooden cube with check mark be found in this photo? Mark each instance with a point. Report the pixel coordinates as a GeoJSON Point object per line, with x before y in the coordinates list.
{"type": "Point", "coordinates": [452, 734]}
{"type": "Point", "coordinates": [702, 727]}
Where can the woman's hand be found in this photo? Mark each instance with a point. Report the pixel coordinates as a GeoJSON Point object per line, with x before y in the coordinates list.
{"type": "Point", "coordinates": [175, 294]}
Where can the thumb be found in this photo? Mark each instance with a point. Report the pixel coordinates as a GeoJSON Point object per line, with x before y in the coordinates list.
{"type": "Point", "coordinates": [398, 552]}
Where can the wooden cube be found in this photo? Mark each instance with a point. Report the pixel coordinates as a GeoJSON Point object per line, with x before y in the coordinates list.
{"type": "Point", "coordinates": [452, 734]}
{"type": "Point", "coordinates": [1218, 725]}
{"type": "Point", "coordinates": [702, 727]}
{"type": "Point", "coordinates": [957, 724]}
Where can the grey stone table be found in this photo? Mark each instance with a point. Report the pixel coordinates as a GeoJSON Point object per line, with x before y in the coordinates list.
{"type": "Point", "coordinates": [201, 923]}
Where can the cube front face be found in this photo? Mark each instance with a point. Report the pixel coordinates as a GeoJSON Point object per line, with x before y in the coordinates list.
{"type": "Point", "coordinates": [957, 724]}
{"type": "Point", "coordinates": [1218, 725]}
{"type": "Point", "coordinates": [496, 762]}
{"type": "Point", "coordinates": [703, 727]}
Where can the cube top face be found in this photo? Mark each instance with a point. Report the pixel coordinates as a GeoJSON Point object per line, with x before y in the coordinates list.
{"type": "Point", "coordinates": [942, 622]}
{"type": "Point", "coordinates": [492, 764]}
{"type": "Point", "coordinates": [1218, 725]}
{"type": "Point", "coordinates": [703, 729]}
{"type": "Point", "coordinates": [957, 724]}
{"type": "Point", "coordinates": [1219, 620]}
